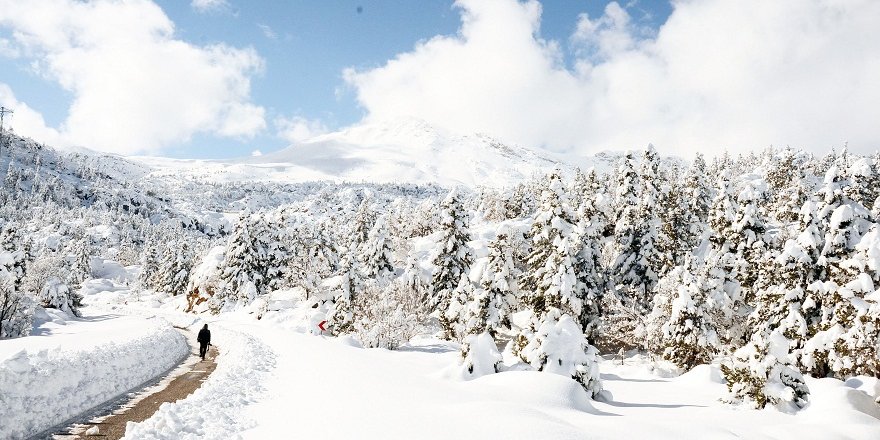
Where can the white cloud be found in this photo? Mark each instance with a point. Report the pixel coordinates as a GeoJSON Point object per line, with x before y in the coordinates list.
{"type": "Point", "coordinates": [25, 120]}
{"type": "Point", "coordinates": [610, 34]}
{"type": "Point", "coordinates": [209, 5]}
{"type": "Point", "coordinates": [267, 31]}
{"type": "Point", "coordinates": [256, 153]}
{"type": "Point", "coordinates": [134, 86]}
{"type": "Point", "coordinates": [296, 129]}
{"type": "Point", "coordinates": [8, 49]}
{"type": "Point", "coordinates": [718, 74]}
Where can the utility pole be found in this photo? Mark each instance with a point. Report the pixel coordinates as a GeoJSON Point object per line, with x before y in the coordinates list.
{"type": "Point", "coordinates": [3, 112]}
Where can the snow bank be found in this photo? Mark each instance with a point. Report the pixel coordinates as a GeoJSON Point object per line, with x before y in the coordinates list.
{"type": "Point", "coordinates": [868, 384]}
{"type": "Point", "coordinates": [214, 410]}
{"type": "Point", "coordinates": [533, 389]}
{"type": "Point", "coordinates": [835, 411]}
{"type": "Point", "coordinates": [45, 387]}
{"type": "Point", "coordinates": [702, 375]}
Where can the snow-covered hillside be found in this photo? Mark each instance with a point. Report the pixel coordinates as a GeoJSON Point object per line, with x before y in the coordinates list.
{"type": "Point", "coordinates": [403, 150]}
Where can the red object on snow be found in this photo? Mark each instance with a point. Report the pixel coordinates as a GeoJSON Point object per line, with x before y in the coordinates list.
{"type": "Point", "coordinates": [321, 326]}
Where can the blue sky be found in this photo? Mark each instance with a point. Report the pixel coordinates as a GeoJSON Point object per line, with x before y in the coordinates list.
{"type": "Point", "coordinates": [222, 78]}
{"type": "Point", "coordinates": [305, 46]}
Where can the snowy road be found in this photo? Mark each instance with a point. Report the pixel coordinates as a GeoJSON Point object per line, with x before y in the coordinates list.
{"type": "Point", "coordinates": [110, 422]}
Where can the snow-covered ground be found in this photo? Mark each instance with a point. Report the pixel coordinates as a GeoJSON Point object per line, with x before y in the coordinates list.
{"type": "Point", "coordinates": [330, 388]}
{"type": "Point", "coordinates": [310, 385]}
{"type": "Point", "coordinates": [277, 378]}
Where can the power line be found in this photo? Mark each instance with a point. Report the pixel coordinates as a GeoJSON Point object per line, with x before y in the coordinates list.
{"type": "Point", "coordinates": [3, 112]}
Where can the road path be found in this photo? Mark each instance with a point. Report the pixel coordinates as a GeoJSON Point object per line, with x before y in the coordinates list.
{"type": "Point", "coordinates": [179, 384]}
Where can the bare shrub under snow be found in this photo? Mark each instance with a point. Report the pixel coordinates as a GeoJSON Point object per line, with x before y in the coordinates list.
{"type": "Point", "coordinates": [388, 315]}
{"type": "Point", "coordinates": [16, 311]}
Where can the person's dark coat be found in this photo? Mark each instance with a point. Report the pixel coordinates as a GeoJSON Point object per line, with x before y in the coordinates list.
{"type": "Point", "coordinates": [204, 335]}
{"type": "Point", "coordinates": [204, 341]}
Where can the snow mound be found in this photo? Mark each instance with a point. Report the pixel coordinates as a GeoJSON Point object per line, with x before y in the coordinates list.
{"type": "Point", "coordinates": [534, 389]}
{"type": "Point", "coordinates": [214, 410]}
{"type": "Point", "coordinates": [868, 384]}
{"type": "Point", "coordinates": [702, 375]}
{"type": "Point", "coordinates": [834, 399]}
{"type": "Point", "coordinates": [43, 388]}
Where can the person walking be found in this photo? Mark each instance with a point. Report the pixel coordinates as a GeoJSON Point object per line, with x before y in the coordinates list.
{"type": "Point", "coordinates": [204, 341]}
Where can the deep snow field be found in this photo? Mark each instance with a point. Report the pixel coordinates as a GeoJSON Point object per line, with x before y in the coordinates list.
{"type": "Point", "coordinates": [279, 378]}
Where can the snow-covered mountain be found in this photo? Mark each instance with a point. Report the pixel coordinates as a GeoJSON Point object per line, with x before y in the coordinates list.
{"type": "Point", "coordinates": [403, 150]}
{"type": "Point", "coordinates": [413, 151]}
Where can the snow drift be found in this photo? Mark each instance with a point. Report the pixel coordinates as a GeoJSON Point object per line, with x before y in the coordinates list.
{"type": "Point", "coordinates": [45, 387]}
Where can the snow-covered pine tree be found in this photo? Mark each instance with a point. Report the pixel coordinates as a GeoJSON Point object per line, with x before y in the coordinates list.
{"type": "Point", "coordinates": [626, 271]}
{"type": "Point", "coordinates": [57, 295]}
{"type": "Point", "coordinates": [858, 351]}
{"type": "Point", "coordinates": [649, 198]}
{"type": "Point", "coordinates": [677, 225]}
{"type": "Point", "coordinates": [490, 308]}
{"type": "Point", "coordinates": [554, 341]}
{"type": "Point", "coordinates": [351, 281]}
{"type": "Point", "coordinates": [698, 196]}
{"type": "Point", "coordinates": [766, 370]}
{"type": "Point", "coordinates": [847, 313]}
{"type": "Point", "coordinates": [723, 212]}
{"type": "Point", "coordinates": [748, 241]}
{"type": "Point", "coordinates": [783, 302]}
{"type": "Point", "coordinates": [785, 184]}
{"type": "Point", "coordinates": [666, 292]}
{"type": "Point", "coordinates": [495, 300]}
{"type": "Point", "coordinates": [452, 260]}
{"type": "Point", "coordinates": [551, 276]}
{"type": "Point", "coordinates": [374, 254]}
{"type": "Point", "coordinates": [599, 210]}
{"type": "Point", "coordinates": [149, 267]}
{"type": "Point", "coordinates": [864, 263]}
{"type": "Point", "coordinates": [864, 185]}
{"type": "Point", "coordinates": [762, 372]}
{"type": "Point", "coordinates": [453, 319]}
{"type": "Point", "coordinates": [634, 270]}
{"type": "Point", "coordinates": [689, 337]}
{"type": "Point", "coordinates": [479, 355]}
{"type": "Point", "coordinates": [175, 267]}
{"type": "Point", "coordinates": [579, 190]}
{"type": "Point", "coordinates": [842, 221]}
{"type": "Point", "coordinates": [701, 301]}
{"type": "Point", "coordinates": [362, 223]}
{"type": "Point", "coordinates": [254, 260]}
{"type": "Point", "coordinates": [321, 259]}
{"type": "Point", "coordinates": [520, 202]}
{"type": "Point", "coordinates": [16, 306]}
{"type": "Point", "coordinates": [590, 271]}
{"type": "Point", "coordinates": [340, 317]}
{"type": "Point", "coordinates": [586, 191]}
{"type": "Point", "coordinates": [78, 262]}
{"type": "Point", "coordinates": [845, 341]}
{"type": "Point", "coordinates": [15, 248]}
